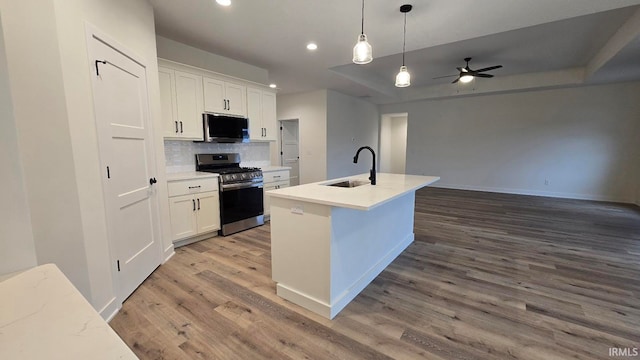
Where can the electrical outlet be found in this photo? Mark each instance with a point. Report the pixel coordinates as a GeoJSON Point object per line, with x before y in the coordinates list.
{"type": "Point", "coordinates": [546, 181]}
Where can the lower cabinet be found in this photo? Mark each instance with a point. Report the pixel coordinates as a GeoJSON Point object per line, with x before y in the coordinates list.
{"type": "Point", "coordinates": [273, 180]}
{"type": "Point", "coordinates": [196, 212]}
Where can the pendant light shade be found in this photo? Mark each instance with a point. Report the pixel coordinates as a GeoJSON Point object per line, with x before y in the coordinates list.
{"type": "Point", "coordinates": [403, 79]}
{"type": "Point", "coordinates": [362, 52]}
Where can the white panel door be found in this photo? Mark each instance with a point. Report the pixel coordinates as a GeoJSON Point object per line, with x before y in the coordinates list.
{"type": "Point", "coordinates": [289, 151]}
{"type": "Point", "coordinates": [127, 157]}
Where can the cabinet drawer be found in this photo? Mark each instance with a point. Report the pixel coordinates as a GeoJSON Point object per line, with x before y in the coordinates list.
{"type": "Point", "coordinates": [280, 184]}
{"type": "Point", "coordinates": [274, 176]}
{"type": "Point", "coordinates": [192, 186]}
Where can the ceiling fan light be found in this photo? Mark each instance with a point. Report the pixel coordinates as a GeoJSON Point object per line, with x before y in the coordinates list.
{"type": "Point", "coordinates": [403, 79]}
{"type": "Point", "coordinates": [362, 52]}
{"type": "Point", "coordinates": [466, 78]}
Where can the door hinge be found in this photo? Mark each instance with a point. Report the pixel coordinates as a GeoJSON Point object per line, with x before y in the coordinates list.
{"type": "Point", "coordinates": [108, 173]}
{"type": "Point", "coordinates": [98, 69]}
{"type": "Point", "coordinates": [118, 262]}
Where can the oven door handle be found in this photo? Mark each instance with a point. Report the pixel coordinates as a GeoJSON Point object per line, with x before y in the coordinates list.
{"type": "Point", "coordinates": [238, 186]}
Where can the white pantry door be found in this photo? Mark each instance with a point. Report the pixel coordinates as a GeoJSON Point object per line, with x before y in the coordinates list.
{"type": "Point", "coordinates": [289, 150]}
{"type": "Point", "coordinates": [127, 158]}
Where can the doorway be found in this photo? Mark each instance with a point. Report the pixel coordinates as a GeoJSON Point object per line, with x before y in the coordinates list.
{"type": "Point", "coordinates": [127, 157]}
{"type": "Point", "coordinates": [290, 149]}
{"type": "Point", "coordinates": [393, 143]}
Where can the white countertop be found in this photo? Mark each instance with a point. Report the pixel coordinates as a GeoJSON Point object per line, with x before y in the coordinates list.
{"type": "Point", "coordinates": [364, 197]}
{"type": "Point", "coordinates": [190, 175]}
{"type": "Point", "coordinates": [271, 168]}
{"type": "Point", "coordinates": [43, 316]}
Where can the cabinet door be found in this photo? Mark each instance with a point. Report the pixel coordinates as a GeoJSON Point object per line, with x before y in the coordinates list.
{"type": "Point", "coordinates": [267, 198]}
{"type": "Point", "coordinates": [254, 113]}
{"type": "Point", "coordinates": [214, 100]}
{"type": "Point", "coordinates": [269, 122]}
{"type": "Point", "coordinates": [183, 217]}
{"type": "Point", "coordinates": [189, 105]}
{"type": "Point", "coordinates": [208, 209]}
{"type": "Point", "coordinates": [236, 96]}
{"type": "Point", "coordinates": [167, 78]}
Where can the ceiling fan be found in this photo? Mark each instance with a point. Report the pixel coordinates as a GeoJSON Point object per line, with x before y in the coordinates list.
{"type": "Point", "coordinates": [467, 74]}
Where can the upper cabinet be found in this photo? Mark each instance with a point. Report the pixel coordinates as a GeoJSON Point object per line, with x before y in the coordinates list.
{"type": "Point", "coordinates": [224, 97]}
{"type": "Point", "coordinates": [187, 92]}
{"type": "Point", "coordinates": [261, 110]}
{"type": "Point", "coordinates": [181, 101]}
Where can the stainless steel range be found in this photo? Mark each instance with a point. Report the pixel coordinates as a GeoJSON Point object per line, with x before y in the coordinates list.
{"type": "Point", "coordinates": [241, 191]}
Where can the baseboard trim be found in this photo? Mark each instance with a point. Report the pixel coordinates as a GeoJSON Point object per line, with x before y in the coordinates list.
{"type": "Point", "coordinates": [535, 193]}
{"type": "Point", "coordinates": [110, 309]}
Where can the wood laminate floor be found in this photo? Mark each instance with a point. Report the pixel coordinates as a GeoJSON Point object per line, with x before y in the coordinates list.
{"type": "Point", "coordinates": [489, 276]}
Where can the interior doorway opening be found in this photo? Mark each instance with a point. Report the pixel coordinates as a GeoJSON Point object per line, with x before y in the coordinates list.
{"type": "Point", "coordinates": [290, 149]}
{"type": "Point", "coordinates": [393, 143]}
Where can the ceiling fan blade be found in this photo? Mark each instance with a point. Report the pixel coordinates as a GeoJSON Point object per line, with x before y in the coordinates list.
{"type": "Point", "coordinates": [489, 68]}
{"type": "Point", "coordinates": [446, 76]}
{"type": "Point", "coordinates": [459, 68]}
{"type": "Point", "coordinates": [455, 81]}
{"type": "Point", "coordinates": [483, 75]}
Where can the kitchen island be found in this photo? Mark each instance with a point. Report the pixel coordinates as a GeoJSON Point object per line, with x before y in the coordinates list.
{"type": "Point", "coordinates": [329, 242]}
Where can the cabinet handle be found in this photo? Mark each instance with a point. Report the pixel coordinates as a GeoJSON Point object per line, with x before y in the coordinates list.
{"type": "Point", "coordinates": [176, 127]}
{"type": "Point", "coordinates": [194, 187]}
{"type": "Point", "coordinates": [180, 127]}
{"type": "Point", "coordinates": [228, 104]}
{"type": "Point", "coordinates": [276, 176]}
{"type": "Point", "coordinates": [194, 205]}
{"type": "Point", "coordinates": [198, 204]}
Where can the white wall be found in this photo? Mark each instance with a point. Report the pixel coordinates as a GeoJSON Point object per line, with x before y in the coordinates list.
{"type": "Point", "coordinates": [50, 72]}
{"type": "Point", "coordinates": [185, 54]}
{"type": "Point", "coordinates": [351, 123]}
{"type": "Point", "coordinates": [311, 111]}
{"type": "Point", "coordinates": [393, 143]}
{"type": "Point", "coordinates": [584, 141]}
{"type": "Point", "coordinates": [16, 238]}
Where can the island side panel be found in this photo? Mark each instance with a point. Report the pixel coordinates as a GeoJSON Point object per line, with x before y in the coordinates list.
{"type": "Point", "coordinates": [300, 257]}
{"type": "Point", "coordinates": [364, 243]}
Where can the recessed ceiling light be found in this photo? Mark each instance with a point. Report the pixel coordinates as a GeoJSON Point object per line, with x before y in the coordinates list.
{"type": "Point", "coordinates": [273, 86]}
{"type": "Point", "coordinates": [224, 2]}
{"type": "Point", "coordinates": [312, 46]}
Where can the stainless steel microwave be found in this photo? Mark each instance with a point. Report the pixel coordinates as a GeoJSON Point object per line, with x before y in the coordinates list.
{"type": "Point", "coordinates": [224, 128]}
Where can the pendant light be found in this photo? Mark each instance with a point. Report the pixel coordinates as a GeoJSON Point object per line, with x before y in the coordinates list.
{"type": "Point", "coordinates": [362, 52]}
{"type": "Point", "coordinates": [403, 79]}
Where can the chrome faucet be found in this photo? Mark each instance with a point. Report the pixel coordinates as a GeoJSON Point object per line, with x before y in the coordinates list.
{"type": "Point", "coordinates": [372, 172]}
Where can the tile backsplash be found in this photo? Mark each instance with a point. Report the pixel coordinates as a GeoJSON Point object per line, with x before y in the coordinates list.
{"type": "Point", "coordinates": [180, 155]}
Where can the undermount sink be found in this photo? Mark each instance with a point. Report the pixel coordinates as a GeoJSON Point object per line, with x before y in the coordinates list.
{"type": "Point", "coordinates": [348, 183]}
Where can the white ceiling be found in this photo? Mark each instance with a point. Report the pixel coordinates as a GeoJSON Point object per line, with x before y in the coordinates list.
{"type": "Point", "coordinates": [540, 43]}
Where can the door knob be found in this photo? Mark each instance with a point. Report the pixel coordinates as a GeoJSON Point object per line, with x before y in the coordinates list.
{"type": "Point", "coordinates": [152, 181]}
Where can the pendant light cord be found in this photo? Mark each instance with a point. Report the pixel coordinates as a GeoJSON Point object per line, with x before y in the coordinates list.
{"type": "Point", "coordinates": [404, 37]}
{"type": "Point", "coordinates": [362, 28]}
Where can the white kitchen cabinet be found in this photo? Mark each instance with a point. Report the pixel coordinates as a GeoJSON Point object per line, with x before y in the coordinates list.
{"type": "Point", "coordinates": [181, 101]}
{"type": "Point", "coordinates": [194, 206]}
{"type": "Point", "coordinates": [224, 97]}
{"type": "Point", "coordinates": [276, 179]}
{"type": "Point", "coordinates": [261, 110]}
